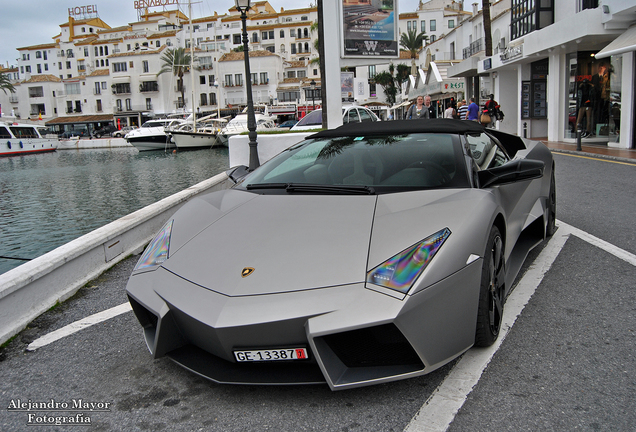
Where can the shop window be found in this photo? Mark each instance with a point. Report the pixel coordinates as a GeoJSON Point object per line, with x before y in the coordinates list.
{"type": "Point", "coordinates": [594, 96]}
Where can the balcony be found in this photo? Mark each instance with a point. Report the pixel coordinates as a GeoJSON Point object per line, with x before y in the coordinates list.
{"type": "Point", "coordinates": [473, 49]}
{"type": "Point", "coordinates": [13, 99]}
{"type": "Point", "coordinates": [149, 87]}
{"type": "Point", "coordinates": [97, 91]}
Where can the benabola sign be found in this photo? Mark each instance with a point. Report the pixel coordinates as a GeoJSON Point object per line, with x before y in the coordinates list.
{"type": "Point", "coordinates": [142, 4]}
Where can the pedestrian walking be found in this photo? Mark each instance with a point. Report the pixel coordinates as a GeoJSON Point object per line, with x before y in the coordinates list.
{"type": "Point", "coordinates": [462, 110]}
{"type": "Point", "coordinates": [418, 110]}
{"type": "Point", "coordinates": [473, 111]}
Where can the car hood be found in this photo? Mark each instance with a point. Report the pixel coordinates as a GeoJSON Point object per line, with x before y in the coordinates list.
{"type": "Point", "coordinates": [301, 242]}
{"type": "Point", "coordinates": [293, 242]}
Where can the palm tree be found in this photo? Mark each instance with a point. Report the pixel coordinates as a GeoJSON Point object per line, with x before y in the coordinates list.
{"type": "Point", "coordinates": [412, 41]}
{"type": "Point", "coordinates": [485, 6]}
{"type": "Point", "coordinates": [177, 61]}
{"type": "Point", "coordinates": [314, 28]}
{"type": "Point", "coordinates": [5, 84]}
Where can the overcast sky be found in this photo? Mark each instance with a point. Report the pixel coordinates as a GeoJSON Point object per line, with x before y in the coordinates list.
{"type": "Point", "coordinates": [35, 22]}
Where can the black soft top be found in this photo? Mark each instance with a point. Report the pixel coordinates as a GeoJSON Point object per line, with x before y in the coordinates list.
{"type": "Point", "coordinates": [439, 125]}
{"type": "Point", "coordinates": [512, 143]}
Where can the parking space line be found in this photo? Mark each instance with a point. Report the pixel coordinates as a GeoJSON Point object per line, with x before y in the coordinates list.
{"type": "Point", "coordinates": [442, 406]}
{"type": "Point", "coordinates": [79, 325]}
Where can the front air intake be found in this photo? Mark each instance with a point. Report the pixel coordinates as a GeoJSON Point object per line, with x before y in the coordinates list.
{"type": "Point", "coordinates": [383, 345]}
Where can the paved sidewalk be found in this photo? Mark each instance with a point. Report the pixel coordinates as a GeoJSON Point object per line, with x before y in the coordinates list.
{"type": "Point", "coordinates": [599, 150]}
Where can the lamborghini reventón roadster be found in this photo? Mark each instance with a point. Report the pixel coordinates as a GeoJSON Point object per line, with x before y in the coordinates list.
{"type": "Point", "coordinates": [364, 254]}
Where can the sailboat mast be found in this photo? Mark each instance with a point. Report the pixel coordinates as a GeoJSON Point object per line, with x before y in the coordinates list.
{"type": "Point", "coordinates": [194, 114]}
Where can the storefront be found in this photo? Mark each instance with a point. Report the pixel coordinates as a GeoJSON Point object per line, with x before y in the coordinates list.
{"type": "Point", "coordinates": [594, 95]}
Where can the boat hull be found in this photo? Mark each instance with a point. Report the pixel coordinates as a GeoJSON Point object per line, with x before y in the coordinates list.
{"type": "Point", "coordinates": [151, 142]}
{"type": "Point", "coordinates": [194, 140]}
{"type": "Point", "coordinates": [13, 147]}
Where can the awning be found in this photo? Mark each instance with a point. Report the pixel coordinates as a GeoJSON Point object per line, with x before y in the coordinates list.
{"type": "Point", "coordinates": [121, 79]}
{"type": "Point", "coordinates": [622, 44]}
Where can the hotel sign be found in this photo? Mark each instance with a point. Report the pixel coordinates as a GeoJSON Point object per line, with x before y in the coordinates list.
{"type": "Point", "coordinates": [82, 10]}
{"type": "Point", "coordinates": [142, 4]}
{"type": "Point", "coordinates": [511, 53]}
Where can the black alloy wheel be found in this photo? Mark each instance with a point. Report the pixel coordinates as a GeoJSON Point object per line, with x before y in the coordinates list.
{"type": "Point", "coordinates": [492, 291]}
{"type": "Point", "coordinates": [550, 228]}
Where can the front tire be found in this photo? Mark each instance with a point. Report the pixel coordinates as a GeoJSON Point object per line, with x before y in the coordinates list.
{"type": "Point", "coordinates": [492, 291]}
{"type": "Point", "coordinates": [550, 228]}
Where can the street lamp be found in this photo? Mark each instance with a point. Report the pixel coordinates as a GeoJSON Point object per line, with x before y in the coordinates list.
{"type": "Point", "coordinates": [312, 84]}
{"type": "Point", "coordinates": [218, 98]}
{"type": "Point", "coordinates": [243, 6]}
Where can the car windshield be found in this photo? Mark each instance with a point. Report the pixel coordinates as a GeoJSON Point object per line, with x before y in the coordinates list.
{"type": "Point", "coordinates": [382, 164]}
{"type": "Point", "coordinates": [314, 118]}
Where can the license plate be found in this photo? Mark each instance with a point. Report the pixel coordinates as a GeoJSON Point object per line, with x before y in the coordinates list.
{"type": "Point", "coordinates": [271, 355]}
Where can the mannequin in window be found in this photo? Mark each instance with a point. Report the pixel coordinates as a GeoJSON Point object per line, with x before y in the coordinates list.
{"type": "Point", "coordinates": [600, 99]}
{"type": "Point", "coordinates": [584, 96]}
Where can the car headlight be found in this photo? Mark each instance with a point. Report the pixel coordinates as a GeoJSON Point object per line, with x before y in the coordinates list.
{"type": "Point", "coordinates": [400, 272]}
{"type": "Point", "coordinates": [158, 249]}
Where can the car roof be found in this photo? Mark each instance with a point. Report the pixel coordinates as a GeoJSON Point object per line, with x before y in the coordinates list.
{"type": "Point", "coordinates": [402, 127]}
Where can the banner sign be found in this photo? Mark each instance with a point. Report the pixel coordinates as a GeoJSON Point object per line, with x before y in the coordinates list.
{"type": "Point", "coordinates": [142, 4]}
{"type": "Point", "coordinates": [346, 84]}
{"type": "Point", "coordinates": [369, 28]}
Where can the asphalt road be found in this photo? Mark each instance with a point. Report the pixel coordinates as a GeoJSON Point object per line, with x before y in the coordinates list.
{"type": "Point", "coordinates": [567, 363]}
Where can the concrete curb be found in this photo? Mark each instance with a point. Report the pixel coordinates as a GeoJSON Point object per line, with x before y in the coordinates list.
{"type": "Point", "coordinates": [596, 155]}
{"type": "Point", "coordinates": [32, 288]}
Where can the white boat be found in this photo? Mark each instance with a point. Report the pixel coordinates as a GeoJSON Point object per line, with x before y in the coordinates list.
{"type": "Point", "coordinates": [20, 139]}
{"type": "Point", "coordinates": [152, 135]}
{"type": "Point", "coordinates": [186, 137]}
{"type": "Point", "coordinates": [238, 125]}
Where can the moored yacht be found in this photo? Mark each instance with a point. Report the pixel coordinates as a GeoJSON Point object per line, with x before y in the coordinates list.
{"type": "Point", "coordinates": [238, 125]}
{"type": "Point", "coordinates": [152, 135]}
{"type": "Point", "coordinates": [19, 139]}
{"type": "Point", "coordinates": [203, 134]}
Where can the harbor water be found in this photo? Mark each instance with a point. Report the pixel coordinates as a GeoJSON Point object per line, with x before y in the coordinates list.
{"type": "Point", "coordinates": [49, 199]}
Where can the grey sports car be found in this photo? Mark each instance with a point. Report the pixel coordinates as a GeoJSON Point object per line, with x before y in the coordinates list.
{"type": "Point", "coordinates": [369, 253]}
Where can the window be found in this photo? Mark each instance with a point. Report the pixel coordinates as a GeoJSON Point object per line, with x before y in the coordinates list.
{"type": "Point", "coordinates": [212, 98]}
{"type": "Point", "coordinates": [130, 64]}
{"type": "Point", "coordinates": [293, 48]}
{"type": "Point", "coordinates": [451, 23]}
{"type": "Point", "coordinates": [118, 105]}
{"type": "Point", "coordinates": [85, 51]}
{"type": "Point", "coordinates": [72, 88]}
{"type": "Point", "coordinates": [204, 99]}
{"type": "Point", "coordinates": [271, 48]}
{"type": "Point", "coordinates": [158, 44]}
{"type": "Point", "coordinates": [99, 105]}
{"type": "Point", "coordinates": [148, 86]}
{"type": "Point", "coordinates": [238, 79]}
{"type": "Point", "coordinates": [301, 74]}
{"type": "Point", "coordinates": [254, 37]}
{"type": "Point", "coordinates": [96, 51]}
{"type": "Point", "coordinates": [145, 66]}
{"type": "Point", "coordinates": [38, 54]}
{"type": "Point", "coordinates": [372, 90]}
{"type": "Point", "coordinates": [104, 85]}
{"type": "Point", "coordinates": [432, 38]}
{"type": "Point", "coordinates": [68, 65]}
{"type": "Point", "coordinates": [148, 103]}
{"type": "Point", "coordinates": [253, 79]}
{"type": "Point", "coordinates": [292, 33]}
{"type": "Point", "coordinates": [202, 79]}
{"type": "Point", "coordinates": [39, 67]}
{"type": "Point", "coordinates": [433, 25]}
{"type": "Point", "coordinates": [372, 71]}
{"type": "Point", "coordinates": [46, 66]}
{"type": "Point", "coordinates": [120, 67]}
{"type": "Point", "coordinates": [236, 39]}
{"type": "Point", "coordinates": [271, 34]}
{"type": "Point", "coordinates": [408, 26]}
{"type": "Point", "coordinates": [304, 18]}
{"type": "Point", "coordinates": [291, 74]}
{"type": "Point", "coordinates": [36, 91]}
{"type": "Point", "coordinates": [264, 35]}
{"type": "Point", "coordinates": [128, 105]}
{"type": "Point", "coordinates": [282, 33]}
{"type": "Point", "coordinates": [290, 96]}
{"type": "Point", "coordinates": [78, 106]}
{"type": "Point", "coordinates": [264, 79]}
{"type": "Point", "coordinates": [228, 81]}
{"type": "Point", "coordinates": [211, 80]}
{"type": "Point", "coordinates": [98, 89]}
{"type": "Point", "coordinates": [121, 88]}
{"type": "Point", "coordinates": [105, 51]}
{"type": "Point", "coordinates": [423, 25]}
{"type": "Point", "coordinates": [69, 107]}
{"type": "Point", "coordinates": [45, 56]}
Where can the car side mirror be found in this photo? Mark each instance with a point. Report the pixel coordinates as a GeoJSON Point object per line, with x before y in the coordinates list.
{"type": "Point", "coordinates": [511, 172]}
{"type": "Point", "coordinates": [237, 173]}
